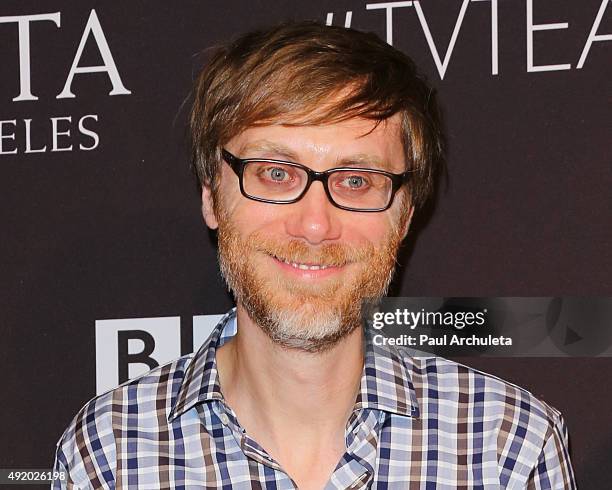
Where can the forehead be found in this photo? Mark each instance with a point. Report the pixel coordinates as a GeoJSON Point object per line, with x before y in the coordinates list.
{"type": "Point", "coordinates": [355, 140]}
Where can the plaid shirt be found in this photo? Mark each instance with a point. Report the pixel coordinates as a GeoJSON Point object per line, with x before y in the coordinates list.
{"type": "Point", "coordinates": [417, 423]}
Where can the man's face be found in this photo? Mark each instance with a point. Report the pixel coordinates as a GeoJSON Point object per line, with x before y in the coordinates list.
{"type": "Point", "coordinates": [301, 270]}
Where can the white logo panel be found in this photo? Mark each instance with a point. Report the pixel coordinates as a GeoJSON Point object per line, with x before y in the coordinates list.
{"type": "Point", "coordinates": [203, 325]}
{"type": "Point", "coordinates": [129, 347]}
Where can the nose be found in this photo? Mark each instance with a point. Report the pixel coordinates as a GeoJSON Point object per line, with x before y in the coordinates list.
{"type": "Point", "coordinates": [313, 218]}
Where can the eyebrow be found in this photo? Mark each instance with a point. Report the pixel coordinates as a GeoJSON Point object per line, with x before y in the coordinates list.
{"type": "Point", "coordinates": [360, 160]}
{"type": "Point", "coordinates": [364, 160]}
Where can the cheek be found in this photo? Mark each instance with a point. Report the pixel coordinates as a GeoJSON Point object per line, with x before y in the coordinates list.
{"type": "Point", "coordinates": [400, 212]}
{"type": "Point", "coordinates": [248, 215]}
{"type": "Point", "coordinates": [236, 208]}
{"type": "Point", "coordinates": [373, 228]}
{"type": "Point", "coordinates": [255, 215]}
{"type": "Point", "coordinates": [381, 228]}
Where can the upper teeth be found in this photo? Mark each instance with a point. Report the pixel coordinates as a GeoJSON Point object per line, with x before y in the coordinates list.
{"type": "Point", "coordinates": [305, 266]}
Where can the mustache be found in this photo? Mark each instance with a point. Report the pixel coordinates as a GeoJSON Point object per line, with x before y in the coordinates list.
{"type": "Point", "coordinates": [329, 254]}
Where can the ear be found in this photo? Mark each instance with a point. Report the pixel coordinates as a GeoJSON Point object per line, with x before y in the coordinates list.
{"type": "Point", "coordinates": [408, 221]}
{"type": "Point", "coordinates": [208, 208]}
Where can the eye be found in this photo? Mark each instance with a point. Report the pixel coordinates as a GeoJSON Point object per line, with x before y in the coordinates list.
{"type": "Point", "coordinates": [355, 181]}
{"type": "Point", "coordinates": [275, 174]}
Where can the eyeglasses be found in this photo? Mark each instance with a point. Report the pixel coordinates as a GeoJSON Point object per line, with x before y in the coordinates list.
{"type": "Point", "coordinates": [281, 182]}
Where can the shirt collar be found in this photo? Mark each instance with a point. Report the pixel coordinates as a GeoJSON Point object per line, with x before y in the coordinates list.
{"type": "Point", "coordinates": [201, 380]}
{"type": "Point", "coordinates": [385, 383]}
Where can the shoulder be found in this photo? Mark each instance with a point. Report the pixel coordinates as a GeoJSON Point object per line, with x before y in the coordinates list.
{"type": "Point", "coordinates": [87, 448]}
{"type": "Point", "coordinates": [523, 436]}
{"type": "Point", "coordinates": [508, 415]}
{"type": "Point", "coordinates": [458, 380]}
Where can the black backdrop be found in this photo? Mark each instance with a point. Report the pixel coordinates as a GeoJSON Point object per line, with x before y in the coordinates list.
{"type": "Point", "coordinates": [111, 229]}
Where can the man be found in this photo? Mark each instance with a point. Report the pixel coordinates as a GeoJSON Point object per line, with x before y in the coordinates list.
{"type": "Point", "coordinates": [313, 146]}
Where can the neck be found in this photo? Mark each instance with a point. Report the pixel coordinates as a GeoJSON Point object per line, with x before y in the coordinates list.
{"type": "Point", "coordinates": [284, 391]}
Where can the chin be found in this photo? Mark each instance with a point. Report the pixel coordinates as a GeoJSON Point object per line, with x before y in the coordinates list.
{"type": "Point", "coordinates": [307, 323]}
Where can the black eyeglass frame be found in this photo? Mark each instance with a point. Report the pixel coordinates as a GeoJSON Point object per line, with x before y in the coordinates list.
{"type": "Point", "coordinates": [238, 165]}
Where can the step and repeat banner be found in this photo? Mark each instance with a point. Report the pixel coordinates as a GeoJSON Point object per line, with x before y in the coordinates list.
{"type": "Point", "coordinates": [107, 269]}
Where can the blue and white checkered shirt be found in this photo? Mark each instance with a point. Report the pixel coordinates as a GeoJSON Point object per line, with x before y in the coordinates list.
{"type": "Point", "coordinates": [417, 423]}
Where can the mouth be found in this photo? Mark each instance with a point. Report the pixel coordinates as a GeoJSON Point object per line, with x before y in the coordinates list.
{"type": "Point", "coordinates": [304, 267]}
{"type": "Point", "coordinates": [307, 269]}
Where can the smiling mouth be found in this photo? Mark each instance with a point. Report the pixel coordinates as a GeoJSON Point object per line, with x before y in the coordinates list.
{"type": "Point", "coordinates": [305, 266]}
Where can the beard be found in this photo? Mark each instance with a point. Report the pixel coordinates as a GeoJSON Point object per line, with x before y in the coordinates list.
{"type": "Point", "coordinates": [299, 314]}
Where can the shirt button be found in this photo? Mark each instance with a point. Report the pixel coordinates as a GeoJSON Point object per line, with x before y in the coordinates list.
{"type": "Point", "coordinates": [224, 419]}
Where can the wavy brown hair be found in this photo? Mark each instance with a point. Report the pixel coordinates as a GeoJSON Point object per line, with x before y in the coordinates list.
{"type": "Point", "coordinates": [288, 74]}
